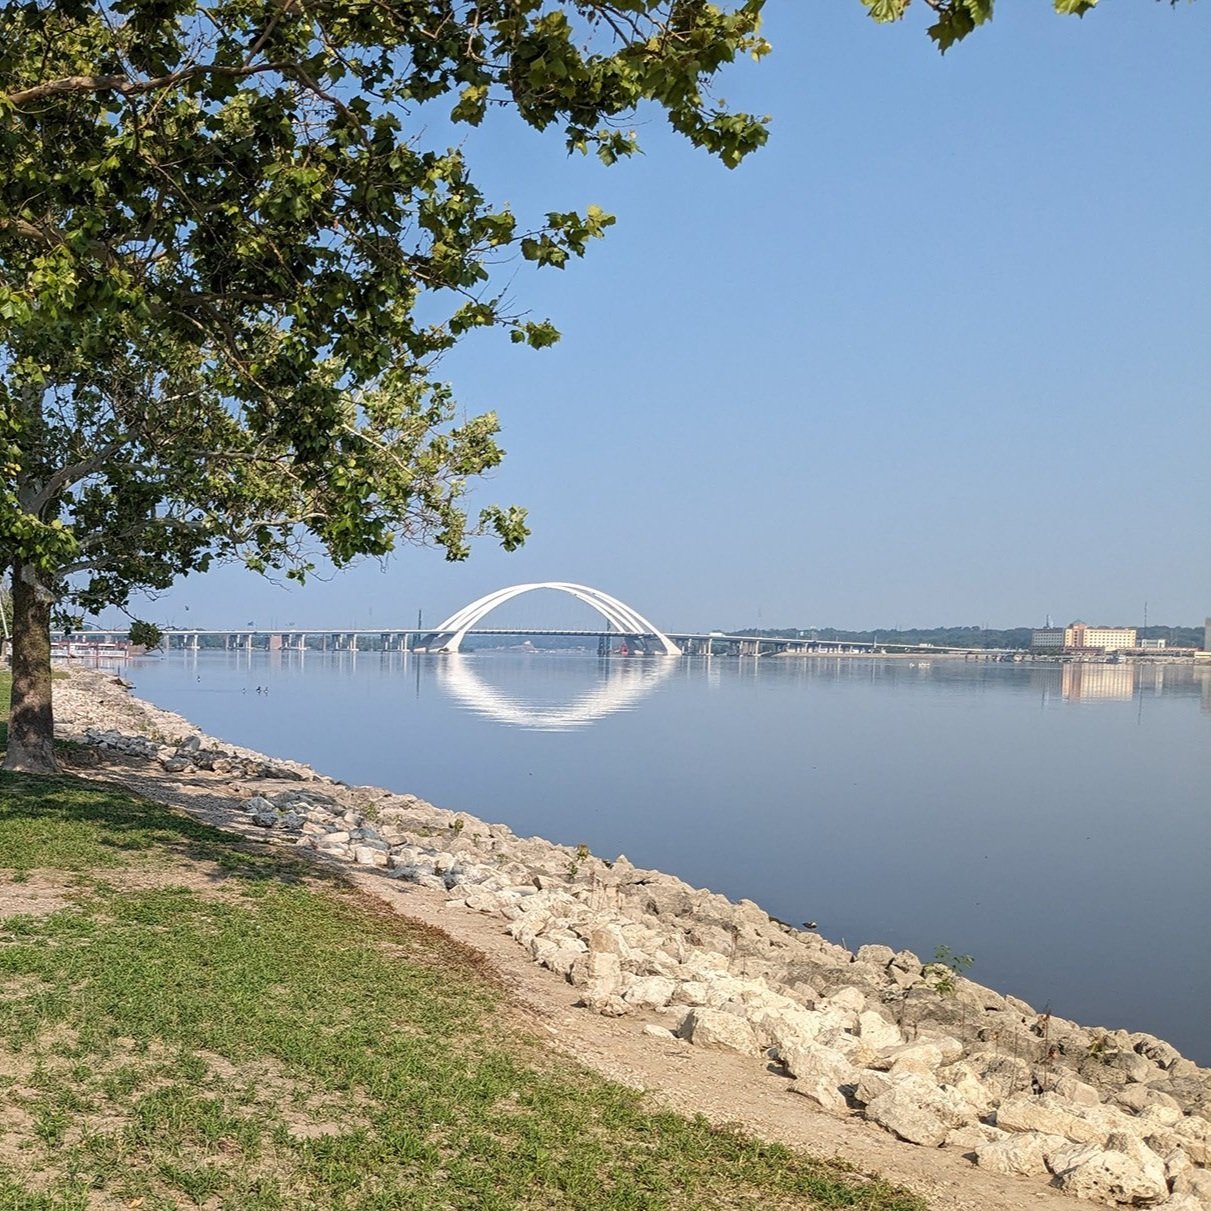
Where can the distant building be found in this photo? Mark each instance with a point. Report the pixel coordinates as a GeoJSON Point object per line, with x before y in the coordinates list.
{"type": "Point", "coordinates": [1152, 645]}
{"type": "Point", "coordinates": [1108, 639]}
{"type": "Point", "coordinates": [1080, 636]}
{"type": "Point", "coordinates": [1048, 637]}
{"type": "Point", "coordinates": [1207, 636]}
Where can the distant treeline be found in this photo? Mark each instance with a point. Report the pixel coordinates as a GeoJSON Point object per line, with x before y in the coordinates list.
{"type": "Point", "coordinates": [960, 637]}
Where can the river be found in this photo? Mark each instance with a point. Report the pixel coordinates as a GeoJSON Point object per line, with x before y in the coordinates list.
{"type": "Point", "coordinates": [1051, 821]}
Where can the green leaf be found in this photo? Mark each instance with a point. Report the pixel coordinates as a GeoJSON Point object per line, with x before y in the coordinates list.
{"type": "Point", "coordinates": [886, 10]}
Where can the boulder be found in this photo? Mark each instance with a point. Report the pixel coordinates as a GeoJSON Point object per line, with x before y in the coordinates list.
{"type": "Point", "coordinates": [599, 974]}
{"type": "Point", "coordinates": [870, 1085]}
{"type": "Point", "coordinates": [717, 1029]}
{"type": "Point", "coordinates": [1118, 1173]}
{"type": "Point", "coordinates": [921, 1056]}
{"type": "Point", "coordinates": [820, 1072]}
{"type": "Point", "coordinates": [1194, 1136]}
{"type": "Point", "coordinates": [663, 1033]}
{"type": "Point", "coordinates": [1002, 1075]}
{"type": "Point", "coordinates": [1073, 1090]}
{"type": "Point", "coordinates": [650, 992]}
{"type": "Point", "coordinates": [1195, 1182]}
{"type": "Point", "coordinates": [917, 1110]}
{"type": "Point", "coordinates": [1181, 1202]}
{"type": "Point", "coordinates": [559, 957]}
{"type": "Point", "coordinates": [879, 955]}
{"type": "Point", "coordinates": [1048, 1114]}
{"type": "Point", "coordinates": [964, 1080]}
{"type": "Point", "coordinates": [875, 1030]}
{"type": "Point", "coordinates": [968, 1139]}
{"type": "Point", "coordinates": [848, 998]}
{"type": "Point", "coordinates": [903, 1115]}
{"type": "Point", "coordinates": [1021, 1154]}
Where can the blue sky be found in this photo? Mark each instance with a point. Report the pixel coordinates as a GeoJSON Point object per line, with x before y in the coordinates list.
{"type": "Point", "coordinates": [939, 354]}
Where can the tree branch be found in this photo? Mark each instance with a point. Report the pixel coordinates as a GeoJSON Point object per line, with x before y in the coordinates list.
{"type": "Point", "coordinates": [131, 88]}
{"type": "Point", "coordinates": [66, 476]}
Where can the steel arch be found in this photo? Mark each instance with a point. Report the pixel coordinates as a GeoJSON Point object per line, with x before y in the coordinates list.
{"type": "Point", "coordinates": [615, 612]}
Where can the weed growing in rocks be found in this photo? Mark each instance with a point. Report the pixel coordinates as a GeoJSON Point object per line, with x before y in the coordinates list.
{"type": "Point", "coordinates": [945, 970]}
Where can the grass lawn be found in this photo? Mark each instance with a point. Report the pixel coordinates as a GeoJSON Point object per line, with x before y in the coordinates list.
{"type": "Point", "coordinates": [187, 1022]}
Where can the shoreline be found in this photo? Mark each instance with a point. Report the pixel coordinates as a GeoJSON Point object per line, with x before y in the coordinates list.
{"type": "Point", "coordinates": [872, 1037]}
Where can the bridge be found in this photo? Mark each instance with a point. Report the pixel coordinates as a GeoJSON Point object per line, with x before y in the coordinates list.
{"type": "Point", "coordinates": [623, 625]}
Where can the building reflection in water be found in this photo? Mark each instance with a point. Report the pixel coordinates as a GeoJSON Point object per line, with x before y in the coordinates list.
{"type": "Point", "coordinates": [624, 683]}
{"type": "Point", "coordinates": [1104, 682]}
{"type": "Point", "coordinates": [1203, 677]}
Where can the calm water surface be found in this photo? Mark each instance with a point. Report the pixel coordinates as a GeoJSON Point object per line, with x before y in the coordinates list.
{"type": "Point", "coordinates": [1051, 821]}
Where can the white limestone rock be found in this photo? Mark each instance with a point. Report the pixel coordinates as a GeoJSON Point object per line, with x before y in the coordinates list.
{"type": "Point", "coordinates": [964, 1079]}
{"type": "Point", "coordinates": [820, 1072]}
{"type": "Point", "coordinates": [917, 1110]}
{"type": "Point", "coordinates": [1002, 1075]}
{"type": "Point", "coordinates": [656, 1031]}
{"type": "Point", "coordinates": [649, 992]}
{"type": "Point", "coordinates": [599, 975]}
{"type": "Point", "coordinates": [1195, 1182]}
{"type": "Point", "coordinates": [1023, 1154]}
{"type": "Point", "coordinates": [1194, 1136]}
{"type": "Point", "coordinates": [1073, 1090]}
{"type": "Point", "coordinates": [901, 1114]}
{"type": "Point", "coordinates": [870, 1085]}
{"type": "Point", "coordinates": [949, 1046]}
{"type": "Point", "coordinates": [715, 1028]}
{"type": "Point", "coordinates": [876, 954]}
{"type": "Point", "coordinates": [1138, 1098]}
{"type": "Point", "coordinates": [876, 1031]}
{"type": "Point", "coordinates": [973, 1136]}
{"type": "Point", "coordinates": [848, 998]}
{"type": "Point", "coordinates": [1124, 1171]}
{"type": "Point", "coordinates": [1050, 1114]}
{"type": "Point", "coordinates": [922, 1057]}
{"type": "Point", "coordinates": [1181, 1202]}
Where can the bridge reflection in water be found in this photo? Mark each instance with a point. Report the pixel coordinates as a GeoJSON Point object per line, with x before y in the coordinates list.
{"type": "Point", "coordinates": [623, 685]}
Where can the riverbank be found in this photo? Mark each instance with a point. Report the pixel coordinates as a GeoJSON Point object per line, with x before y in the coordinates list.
{"type": "Point", "coordinates": [873, 1038]}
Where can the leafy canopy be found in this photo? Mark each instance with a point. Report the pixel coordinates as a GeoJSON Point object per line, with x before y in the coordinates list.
{"type": "Point", "coordinates": [230, 260]}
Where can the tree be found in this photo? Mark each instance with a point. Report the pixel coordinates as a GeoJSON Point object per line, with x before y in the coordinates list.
{"type": "Point", "coordinates": [229, 263]}
{"type": "Point", "coordinates": [228, 266]}
{"type": "Point", "coordinates": [146, 635]}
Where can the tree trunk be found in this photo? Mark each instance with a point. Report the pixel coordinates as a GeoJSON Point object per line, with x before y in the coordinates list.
{"type": "Point", "coordinates": [31, 724]}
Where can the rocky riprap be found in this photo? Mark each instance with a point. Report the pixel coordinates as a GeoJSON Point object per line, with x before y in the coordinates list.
{"type": "Point", "coordinates": [1115, 1117]}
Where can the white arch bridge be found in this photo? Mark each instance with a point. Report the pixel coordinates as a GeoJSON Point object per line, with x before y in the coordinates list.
{"type": "Point", "coordinates": [626, 622]}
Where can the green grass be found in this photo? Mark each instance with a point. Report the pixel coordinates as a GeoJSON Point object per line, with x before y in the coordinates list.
{"type": "Point", "coordinates": [200, 1025]}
